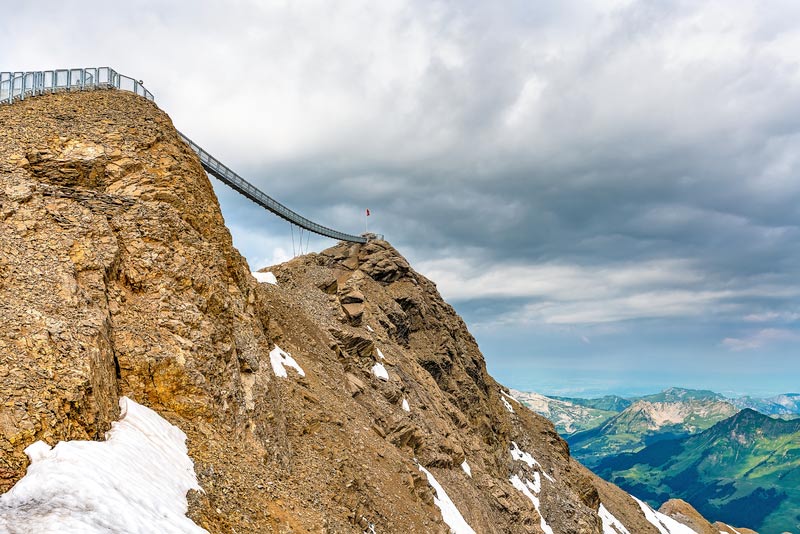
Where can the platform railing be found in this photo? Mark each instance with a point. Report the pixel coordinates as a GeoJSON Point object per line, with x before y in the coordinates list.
{"type": "Point", "coordinates": [21, 85]}
{"type": "Point", "coordinates": [16, 86]}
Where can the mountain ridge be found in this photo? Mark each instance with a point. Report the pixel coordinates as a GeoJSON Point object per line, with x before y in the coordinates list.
{"type": "Point", "coordinates": [645, 422]}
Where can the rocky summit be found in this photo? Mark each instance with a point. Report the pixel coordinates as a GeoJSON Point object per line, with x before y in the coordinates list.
{"type": "Point", "coordinates": [346, 397]}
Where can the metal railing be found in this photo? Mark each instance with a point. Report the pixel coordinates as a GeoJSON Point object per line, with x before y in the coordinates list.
{"type": "Point", "coordinates": [16, 86]}
{"type": "Point", "coordinates": [236, 182]}
{"type": "Point", "coordinates": [21, 85]}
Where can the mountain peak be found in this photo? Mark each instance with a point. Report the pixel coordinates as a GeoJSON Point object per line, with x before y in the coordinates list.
{"type": "Point", "coordinates": [678, 394]}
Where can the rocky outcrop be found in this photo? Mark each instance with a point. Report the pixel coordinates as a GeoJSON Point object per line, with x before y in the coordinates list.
{"type": "Point", "coordinates": [118, 277]}
{"type": "Point", "coordinates": [683, 512]}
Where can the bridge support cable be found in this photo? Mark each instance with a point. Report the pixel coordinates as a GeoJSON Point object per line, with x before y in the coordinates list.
{"type": "Point", "coordinates": [16, 86]}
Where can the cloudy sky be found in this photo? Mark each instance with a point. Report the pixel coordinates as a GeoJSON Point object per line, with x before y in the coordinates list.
{"type": "Point", "coordinates": [607, 191]}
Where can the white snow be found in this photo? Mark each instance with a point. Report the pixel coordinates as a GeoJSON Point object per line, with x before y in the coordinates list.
{"type": "Point", "coordinates": [265, 278]}
{"type": "Point", "coordinates": [510, 397]}
{"type": "Point", "coordinates": [380, 372]}
{"type": "Point", "coordinates": [611, 525]}
{"type": "Point", "coordinates": [507, 405]}
{"type": "Point", "coordinates": [280, 360]}
{"type": "Point", "coordinates": [467, 469]}
{"type": "Point", "coordinates": [370, 328]}
{"type": "Point", "coordinates": [536, 485]}
{"type": "Point", "coordinates": [450, 514]}
{"type": "Point", "coordinates": [405, 406]}
{"type": "Point", "coordinates": [522, 456]}
{"type": "Point", "coordinates": [526, 487]}
{"type": "Point", "coordinates": [664, 524]}
{"type": "Point", "coordinates": [380, 354]}
{"type": "Point", "coordinates": [134, 482]}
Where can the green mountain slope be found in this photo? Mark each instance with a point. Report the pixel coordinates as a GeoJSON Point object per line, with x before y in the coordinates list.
{"type": "Point", "coordinates": [645, 422]}
{"type": "Point", "coordinates": [744, 470]}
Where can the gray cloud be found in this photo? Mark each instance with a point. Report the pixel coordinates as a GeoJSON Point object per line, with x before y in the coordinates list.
{"type": "Point", "coordinates": [571, 163]}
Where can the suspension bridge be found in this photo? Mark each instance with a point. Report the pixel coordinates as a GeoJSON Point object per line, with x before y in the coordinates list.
{"type": "Point", "coordinates": [16, 86]}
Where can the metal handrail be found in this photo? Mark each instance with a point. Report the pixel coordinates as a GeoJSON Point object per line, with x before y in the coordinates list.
{"type": "Point", "coordinates": [16, 86]}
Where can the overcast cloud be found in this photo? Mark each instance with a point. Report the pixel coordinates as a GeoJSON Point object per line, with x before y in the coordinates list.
{"type": "Point", "coordinates": [614, 184]}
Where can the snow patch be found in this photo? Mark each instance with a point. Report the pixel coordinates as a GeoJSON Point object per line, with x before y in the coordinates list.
{"type": "Point", "coordinates": [507, 405]}
{"type": "Point", "coordinates": [265, 278]}
{"type": "Point", "coordinates": [370, 328]}
{"type": "Point", "coordinates": [522, 456]}
{"type": "Point", "coordinates": [526, 487]}
{"type": "Point", "coordinates": [664, 524]}
{"type": "Point", "coordinates": [450, 514]}
{"type": "Point", "coordinates": [135, 481]}
{"type": "Point", "coordinates": [611, 525]}
{"type": "Point", "coordinates": [380, 372]}
{"type": "Point", "coordinates": [510, 397]}
{"type": "Point", "coordinates": [467, 469]}
{"type": "Point", "coordinates": [280, 360]}
{"type": "Point", "coordinates": [405, 406]}
{"type": "Point", "coordinates": [380, 354]}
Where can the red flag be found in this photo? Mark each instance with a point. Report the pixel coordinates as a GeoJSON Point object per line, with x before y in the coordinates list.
{"type": "Point", "coordinates": [367, 212]}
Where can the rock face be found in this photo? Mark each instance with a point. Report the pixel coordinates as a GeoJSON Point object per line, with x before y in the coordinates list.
{"type": "Point", "coordinates": [118, 277]}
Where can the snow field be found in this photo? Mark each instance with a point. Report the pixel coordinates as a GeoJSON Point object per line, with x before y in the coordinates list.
{"type": "Point", "coordinates": [265, 278]}
{"type": "Point", "coordinates": [467, 469]}
{"type": "Point", "coordinates": [522, 456]}
{"type": "Point", "coordinates": [509, 397]}
{"type": "Point", "coordinates": [450, 514]}
{"type": "Point", "coordinates": [611, 525]}
{"type": "Point", "coordinates": [405, 406]}
{"type": "Point", "coordinates": [380, 372]}
{"type": "Point", "coordinates": [280, 360]}
{"type": "Point", "coordinates": [526, 487]}
{"type": "Point", "coordinates": [134, 482]}
{"type": "Point", "coordinates": [664, 524]}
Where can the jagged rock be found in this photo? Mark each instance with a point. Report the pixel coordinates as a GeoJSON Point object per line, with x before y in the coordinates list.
{"type": "Point", "coordinates": [354, 344]}
{"type": "Point", "coordinates": [723, 528]}
{"type": "Point", "coordinates": [354, 384]}
{"type": "Point", "coordinates": [682, 512]}
{"type": "Point", "coordinates": [381, 262]}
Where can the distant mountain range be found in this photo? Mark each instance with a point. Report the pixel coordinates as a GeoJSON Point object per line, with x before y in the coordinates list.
{"type": "Point", "coordinates": [744, 470]}
{"type": "Point", "coordinates": [611, 403]}
{"type": "Point", "coordinates": [569, 417]}
{"type": "Point", "coordinates": [733, 459]}
{"type": "Point", "coordinates": [787, 404]}
{"type": "Point", "coordinates": [645, 422]}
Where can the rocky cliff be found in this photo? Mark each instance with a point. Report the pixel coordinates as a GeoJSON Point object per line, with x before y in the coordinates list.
{"type": "Point", "coordinates": [118, 277]}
